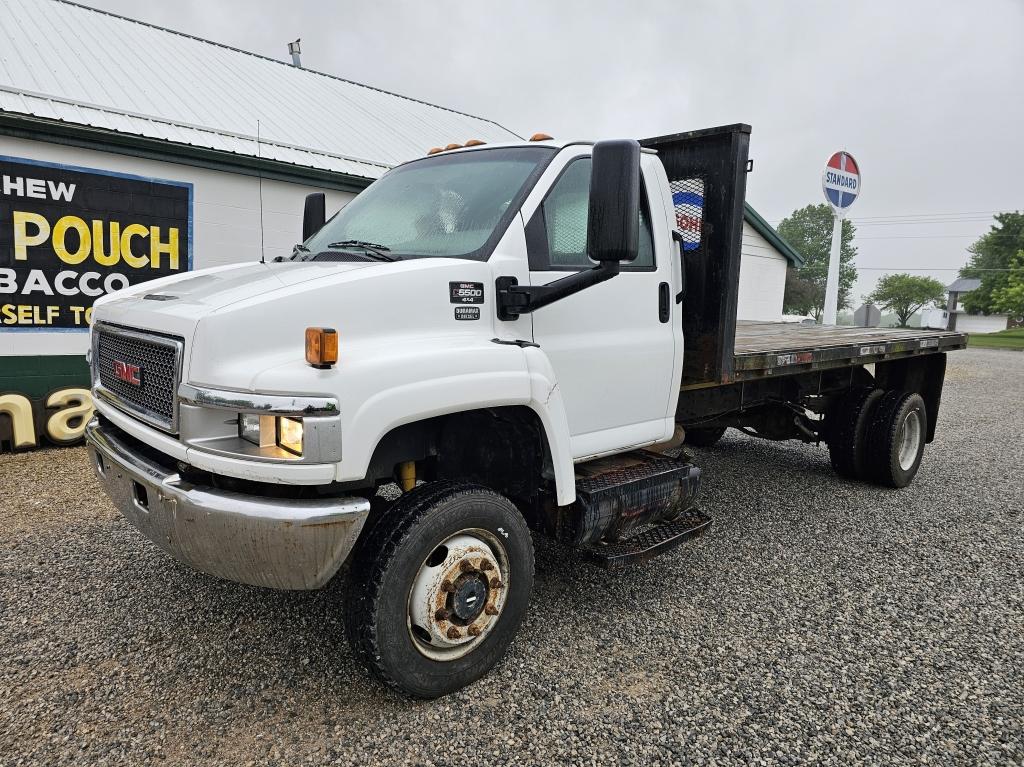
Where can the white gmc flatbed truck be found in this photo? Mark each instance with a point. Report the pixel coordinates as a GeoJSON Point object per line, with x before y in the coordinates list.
{"type": "Point", "coordinates": [511, 339]}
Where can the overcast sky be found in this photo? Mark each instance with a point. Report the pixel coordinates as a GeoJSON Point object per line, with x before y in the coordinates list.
{"type": "Point", "coordinates": [928, 96]}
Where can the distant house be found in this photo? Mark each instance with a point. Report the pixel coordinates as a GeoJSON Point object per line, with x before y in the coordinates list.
{"type": "Point", "coordinates": [764, 260]}
{"type": "Point", "coordinates": [959, 319]}
{"type": "Point", "coordinates": [936, 319]}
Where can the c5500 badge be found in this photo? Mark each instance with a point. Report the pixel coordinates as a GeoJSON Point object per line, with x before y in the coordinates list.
{"type": "Point", "coordinates": [466, 292]}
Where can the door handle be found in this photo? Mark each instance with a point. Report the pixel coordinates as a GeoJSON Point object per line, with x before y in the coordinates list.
{"type": "Point", "coordinates": [664, 307]}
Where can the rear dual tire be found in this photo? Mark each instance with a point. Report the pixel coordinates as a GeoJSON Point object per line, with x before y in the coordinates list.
{"type": "Point", "coordinates": [896, 438]}
{"type": "Point", "coordinates": [878, 436]}
{"type": "Point", "coordinates": [848, 432]}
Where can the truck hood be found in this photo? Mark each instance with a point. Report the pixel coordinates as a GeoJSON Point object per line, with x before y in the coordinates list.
{"type": "Point", "coordinates": [243, 326]}
{"type": "Point", "coordinates": [175, 304]}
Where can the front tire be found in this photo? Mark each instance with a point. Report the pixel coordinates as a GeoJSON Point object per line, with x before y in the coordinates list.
{"type": "Point", "coordinates": [438, 587]}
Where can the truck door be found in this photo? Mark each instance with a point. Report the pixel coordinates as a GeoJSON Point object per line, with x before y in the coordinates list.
{"type": "Point", "coordinates": [613, 346]}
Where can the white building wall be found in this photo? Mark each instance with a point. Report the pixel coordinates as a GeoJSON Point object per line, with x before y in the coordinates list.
{"type": "Point", "coordinates": [226, 220]}
{"type": "Point", "coordinates": [980, 323]}
{"type": "Point", "coordinates": [762, 278]}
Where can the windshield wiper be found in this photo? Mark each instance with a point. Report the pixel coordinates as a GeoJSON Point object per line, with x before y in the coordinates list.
{"type": "Point", "coordinates": [381, 251]}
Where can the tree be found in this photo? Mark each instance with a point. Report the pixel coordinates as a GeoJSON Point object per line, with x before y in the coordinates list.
{"type": "Point", "coordinates": [809, 231]}
{"type": "Point", "coordinates": [990, 260]}
{"type": "Point", "coordinates": [904, 294]}
{"type": "Point", "coordinates": [800, 295]}
{"type": "Point", "coordinates": [1009, 298]}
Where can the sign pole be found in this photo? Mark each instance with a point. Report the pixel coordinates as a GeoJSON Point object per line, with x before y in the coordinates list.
{"type": "Point", "coordinates": [828, 315]}
{"type": "Point", "coordinates": [841, 184]}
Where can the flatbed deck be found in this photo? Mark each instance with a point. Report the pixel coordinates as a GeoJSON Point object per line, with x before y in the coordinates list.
{"type": "Point", "coordinates": [765, 349]}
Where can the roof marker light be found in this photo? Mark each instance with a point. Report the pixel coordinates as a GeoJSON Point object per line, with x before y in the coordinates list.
{"type": "Point", "coordinates": [434, 150]}
{"type": "Point", "coordinates": [475, 142]}
{"type": "Point", "coordinates": [540, 137]}
{"type": "Point", "coordinates": [450, 147]}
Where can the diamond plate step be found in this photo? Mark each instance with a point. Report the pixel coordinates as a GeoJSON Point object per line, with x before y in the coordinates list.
{"type": "Point", "coordinates": [649, 543]}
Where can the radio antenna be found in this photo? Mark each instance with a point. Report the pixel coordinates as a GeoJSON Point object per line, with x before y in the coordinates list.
{"type": "Point", "coordinates": [259, 172]}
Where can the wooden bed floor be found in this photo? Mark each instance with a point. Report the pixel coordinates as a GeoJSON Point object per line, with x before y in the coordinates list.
{"type": "Point", "coordinates": [764, 337]}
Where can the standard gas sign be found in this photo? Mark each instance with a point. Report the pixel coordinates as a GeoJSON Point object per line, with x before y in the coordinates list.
{"type": "Point", "coordinates": [841, 181]}
{"type": "Point", "coordinates": [69, 235]}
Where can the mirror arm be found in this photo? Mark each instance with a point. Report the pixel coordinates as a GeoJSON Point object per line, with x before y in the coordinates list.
{"type": "Point", "coordinates": [515, 299]}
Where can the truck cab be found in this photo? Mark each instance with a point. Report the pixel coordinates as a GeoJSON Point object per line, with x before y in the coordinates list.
{"type": "Point", "coordinates": [488, 343]}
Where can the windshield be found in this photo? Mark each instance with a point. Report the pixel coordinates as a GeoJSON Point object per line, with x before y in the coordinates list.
{"type": "Point", "coordinates": [445, 205]}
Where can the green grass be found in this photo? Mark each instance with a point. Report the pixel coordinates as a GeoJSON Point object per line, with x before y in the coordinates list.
{"type": "Point", "coordinates": [1005, 339]}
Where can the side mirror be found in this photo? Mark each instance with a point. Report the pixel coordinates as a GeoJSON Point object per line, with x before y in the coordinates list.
{"type": "Point", "coordinates": [613, 226]}
{"type": "Point", "coordinates": [314, 215]}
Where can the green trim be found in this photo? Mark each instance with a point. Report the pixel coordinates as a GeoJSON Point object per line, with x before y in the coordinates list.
{"type": "Point", "coordinates": [103, 140]}
{"type": "Point", "coordinates": [35, 377]}
{"type": "Point", "coordinates": [764, 229]}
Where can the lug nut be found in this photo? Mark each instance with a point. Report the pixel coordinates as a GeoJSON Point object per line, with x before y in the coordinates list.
{"type": "Point", "coordinates": [466, 566]}
{"type": "Point", "coordinates": [491, 610]}
{"type": "Point", "coordinates": [474, 630]}
{"type": "Point", "coordinates": [495, 583]}
{"type": "Point", "coordinates": [454, 633]}
{"type": "Point", "coordinates": [485, 565]}
{"type": "Point", "coordinates": [441, 615]}
{"type": "Point", "coordinates": [448, 587]}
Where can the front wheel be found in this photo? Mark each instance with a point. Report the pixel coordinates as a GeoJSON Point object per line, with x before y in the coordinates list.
{"type": "Point", "coordinates": [438, 587]}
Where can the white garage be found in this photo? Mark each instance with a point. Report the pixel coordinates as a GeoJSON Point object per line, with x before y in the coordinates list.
{"type": "Point", "coordinates": [765, 257]}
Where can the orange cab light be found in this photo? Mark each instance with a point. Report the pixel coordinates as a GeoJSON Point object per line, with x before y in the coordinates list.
{"type": "Point", "coordinates": [450, 147]}
{"type": "Point", "coordinates": [434, 150]}
{"type": "Point", "coordinates": [321, 347]}
{"type": "Point", "coordinates": [540, 137]}
{"type": "Point", "coordinates": [475, 142]}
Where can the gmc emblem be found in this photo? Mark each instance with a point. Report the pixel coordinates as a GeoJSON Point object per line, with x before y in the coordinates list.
{"type": "Point", "coordinates": [131, 374]}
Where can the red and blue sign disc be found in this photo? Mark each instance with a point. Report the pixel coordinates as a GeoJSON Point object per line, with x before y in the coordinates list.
{"type": "Point", "coordinates": [841, 180]}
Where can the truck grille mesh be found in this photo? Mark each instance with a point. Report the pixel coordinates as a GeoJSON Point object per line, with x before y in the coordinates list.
{"type": "Point", "coordinates": [157, 362]}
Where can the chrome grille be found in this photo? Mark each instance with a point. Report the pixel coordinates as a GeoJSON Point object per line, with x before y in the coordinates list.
{"type": "Point", "coordinates": [152, 360]}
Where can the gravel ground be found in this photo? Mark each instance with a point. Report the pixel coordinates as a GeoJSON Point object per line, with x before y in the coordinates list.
{"type": "Point", "coordinates": [818, 620]}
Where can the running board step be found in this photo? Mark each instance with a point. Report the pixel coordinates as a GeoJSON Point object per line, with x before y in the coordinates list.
{"type": "Point", "coordinates": [651, 542]}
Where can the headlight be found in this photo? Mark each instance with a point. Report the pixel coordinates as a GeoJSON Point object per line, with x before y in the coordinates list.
{"type": "Point", "coordinates": [289, 434]}
{"type": "Point", "coordinates": [268, 431]}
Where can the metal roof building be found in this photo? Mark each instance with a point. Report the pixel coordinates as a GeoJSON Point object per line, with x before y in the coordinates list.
{"type": "Point", "coordinates": [129, 152]}
{"type": "Point", "coordinates": [97, 76]}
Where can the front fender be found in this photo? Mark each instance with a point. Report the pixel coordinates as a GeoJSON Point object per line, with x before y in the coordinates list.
{"type": "Point", "coordinates": [425, 381]}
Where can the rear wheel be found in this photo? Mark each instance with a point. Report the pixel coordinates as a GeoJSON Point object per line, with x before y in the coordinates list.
{"type": "Point", "coordinates": [847, 432]}
{"type": "Point", "coordinates": [438, 587]}
{"type": "Point", "coordinates": [704, 437]}
{"type": "Point", "coordinates": [896, 438]}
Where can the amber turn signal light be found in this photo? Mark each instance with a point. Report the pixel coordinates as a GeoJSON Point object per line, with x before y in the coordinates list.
{"type": "Point", "coordinates": [540, 137]}
{"type": "Point", "coordinates": [321, 347]}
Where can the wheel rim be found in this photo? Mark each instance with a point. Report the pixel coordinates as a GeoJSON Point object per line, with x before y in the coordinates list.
{"type": "Point", "coordinates": [910, 439]}
{"type": "Point", "coordinates": [458, 594]}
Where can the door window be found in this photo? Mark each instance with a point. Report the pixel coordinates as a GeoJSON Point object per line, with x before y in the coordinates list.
{"type": "Point", "coordinates": [559, 229]}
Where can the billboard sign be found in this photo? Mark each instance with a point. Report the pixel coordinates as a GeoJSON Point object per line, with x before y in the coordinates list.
{"type": "Point", "coordinates": [69, 235]}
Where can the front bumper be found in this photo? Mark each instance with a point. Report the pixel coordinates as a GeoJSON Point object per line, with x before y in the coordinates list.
{"type": "Point", "coordinates": [276, 542]}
